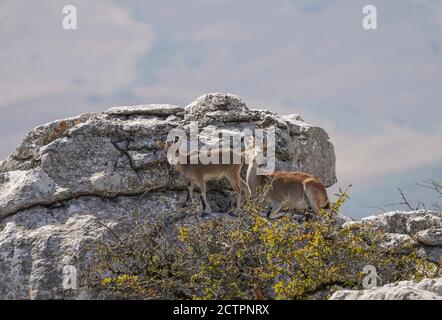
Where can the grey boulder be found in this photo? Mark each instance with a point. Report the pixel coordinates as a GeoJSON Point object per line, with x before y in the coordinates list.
{"type": "Point", "coordinates": [428, 289]}
{"type": "Point", "coordinates": [72, 181]}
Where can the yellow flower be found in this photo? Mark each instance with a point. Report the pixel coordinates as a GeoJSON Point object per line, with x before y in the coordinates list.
{"type": "Point", "coordinates": [106, 281]}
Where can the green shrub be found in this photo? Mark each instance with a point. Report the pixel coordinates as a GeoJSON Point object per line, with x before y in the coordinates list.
{"type": "Point", "coordinates": [182, 256]}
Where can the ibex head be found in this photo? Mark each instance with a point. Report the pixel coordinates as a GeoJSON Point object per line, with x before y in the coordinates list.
{"type": "Point", "coordinates": [161, 145]}
{"type": "Point", "coordinates": [254, 151]}
{"type": "Point", "coordinates": [166, 145]}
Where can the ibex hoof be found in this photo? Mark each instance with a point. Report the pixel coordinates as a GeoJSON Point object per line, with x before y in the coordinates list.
{"type": "Point", "coordinates": [188, 204]}
{"type": "Point", "coordinates": [204, 214]}
{"type": "Point", "coordinates": [232, 214]}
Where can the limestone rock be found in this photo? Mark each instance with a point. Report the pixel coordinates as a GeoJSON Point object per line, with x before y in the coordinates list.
{"type": "Point", "coordinates": [116, 153]}
{"type": "Point", "coordinates": [23, 189]}
{"type": "Point", "coordinates": [428, 289]}
{"type": "Point", "coordinates": [213, 108]}
{"type": "Point", "coordinates": [421, 223]}
{"type": "Point", "coordinates": [430, 237]}
{"type": "Point", "coordinates": [396, 241]}
{"type": "Point", "coordinates": [37, 244]}
{"type": "Point", "coordinates": [422, 228]}
{"type": "Point", "coordinates": [70, 177]}
{"type": "Point", "coordinates": [402, 222]}
{"type": "Point", "coordinates": [151, 109]}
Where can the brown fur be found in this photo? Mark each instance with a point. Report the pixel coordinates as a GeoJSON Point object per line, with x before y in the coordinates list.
{"type": "Point", "coordinates": [198, 174]}
{"type": "Point", "coordinates": [297, 189]}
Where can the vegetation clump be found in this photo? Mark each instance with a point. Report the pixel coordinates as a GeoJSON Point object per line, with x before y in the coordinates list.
{"type": "Point", "coordinates": [183, 256]}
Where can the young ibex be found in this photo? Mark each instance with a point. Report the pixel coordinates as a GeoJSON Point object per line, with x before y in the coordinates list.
{"type": "Point", "coordinates": [198, 173]}
{"type": "Point", "coordinates": [297, 189]}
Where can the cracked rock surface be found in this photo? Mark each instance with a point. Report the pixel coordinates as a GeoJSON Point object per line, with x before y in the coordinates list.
{"type": "Point", "coordinates": [68, 175]}
{"type": "Point", "coordinates": [423, 228]}
{"type": "Point", "coordinates": [428, 289]}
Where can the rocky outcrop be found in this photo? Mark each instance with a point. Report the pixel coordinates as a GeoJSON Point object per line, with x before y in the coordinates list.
{"type": "Point", "coordinates": [422, 228]}
{"type": "Point", "coordinates": [73, 180]}
{"type": "Point", "coordinates": [115, 153]}
{"type": "Point", "coordinates": [428, 289]}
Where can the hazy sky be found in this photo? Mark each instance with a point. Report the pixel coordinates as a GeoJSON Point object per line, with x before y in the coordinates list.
{"type": "Point", "coordinates": [377, 93]}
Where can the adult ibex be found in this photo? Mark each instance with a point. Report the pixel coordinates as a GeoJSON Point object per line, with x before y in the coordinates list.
{"type": "Point", "coordinates": [297, 189]}
{"type": "Point", "coordinates": [198, 173]}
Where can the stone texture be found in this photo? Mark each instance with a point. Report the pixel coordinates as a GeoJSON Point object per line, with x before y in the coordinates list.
{"type": "Point", "coordinates": [68, 175]}
{"type": "Point", "coordinates": [36, 244]}
{"type": "Point", "coordinates": [421, 228]}
{"type": "Point", "coordinates": [22, 189]}
{"type": "Point", "coordinates": [115, 153]}
{"type": "Point", "coordinates": [430, 237]}
{"type": "Point", "coordinates": [421, 223]}
{"type": "Point", "coordinates": [27, 154]}
{"type": "Point", "coordinates": [163, 110]}
{"type": "Point", "coordinates": [401, 222]}
{"type": "Point", "coordinates": [395, 241]}
{"type": "Point", "coordinates": [428, 289]}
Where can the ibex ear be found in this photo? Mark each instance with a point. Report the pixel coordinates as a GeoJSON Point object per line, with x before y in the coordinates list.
{"type": "Point", "coordinates": [264, 148]}
{"type": "Point", "coordinates": [161, 145]}
{"type": "Point", "coordinates": [249, 142]}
